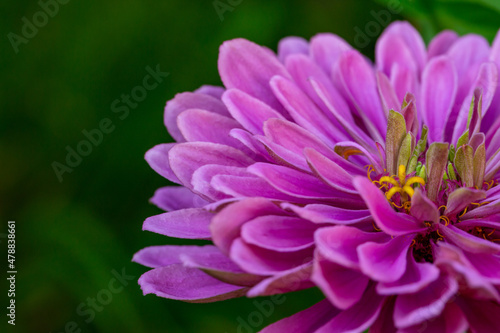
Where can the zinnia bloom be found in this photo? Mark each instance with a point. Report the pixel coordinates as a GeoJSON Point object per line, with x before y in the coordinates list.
{"type": "Point", "coordinates": [376, 182]}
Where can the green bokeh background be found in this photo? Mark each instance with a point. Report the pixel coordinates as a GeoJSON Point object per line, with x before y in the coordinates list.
{"type": "Point", "coordinates": [72, 234]}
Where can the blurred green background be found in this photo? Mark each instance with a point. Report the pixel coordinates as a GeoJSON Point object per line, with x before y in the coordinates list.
{"type": "Point", "coordinates": [72, 234]}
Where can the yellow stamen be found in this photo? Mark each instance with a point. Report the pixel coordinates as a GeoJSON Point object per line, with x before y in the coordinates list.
{"type": "Point", "coordinates": [402, 174]}
{"type": "Point", "coordinates": [349, 152]}
{"type": "Point", "coordinates": [387, 179]}
{"type": "Point", "coordinates": [445, 219]}
{"type": "Point", "coordinates": [463, 213]}
{"type": "Point", "coordinates": [392, 203]}
{"type": "Point", "coordinates": [392, 191]}
{"type": "Point", "coordinates": [414, 180]}
{"type": "Point", "coordinates": [409, 190]}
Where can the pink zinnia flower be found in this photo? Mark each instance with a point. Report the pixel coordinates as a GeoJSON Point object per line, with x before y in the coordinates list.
{"type": "Point", "coordinates": [375, 182]}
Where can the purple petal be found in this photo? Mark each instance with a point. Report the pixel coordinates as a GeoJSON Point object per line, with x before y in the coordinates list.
{"type": "Point", "coordinates": [186, 284]}
{"type": "Point", "coordinates": [357, 318]}
{"type": "Point", "coordinates": [469, 242]}
{"type": "Point", "coordinates": [279, 233]}
{"type": "Point", "coordinates": [249, 68]}
{"type": "Point", "coordinates": [468, 50]}
{"type": "Point", "coordinates": [329, 171]}
{"type": "Point", "coordinates": [416, 277]}
{"type": "Point", "coordinates": [451, 320]}
{"type": "Point", "coordinates": [392, 50]}
{"type": "Point", "coordinates": [487, 81]}
{"type": "Point", "coordinates": [411, 309]}
{"type": "Point", "coordinates": [202, 178]}
{"type": "Point", "coordinates": [331, 103]}
{"type": "Point", "coordinates": [342, 286]}
{"type": "Point", "coordinates": [226, 225]}
{"type": "Point", "coordinates": [250, 112]}
{"type": "Point", "coordinates": [297, 278]}
{"type": "Point", "coordinates": [213, 262]}
{"type": "Point", "coordinates": [385, 262]}
{"type": "Point", "coordinates": [412, 39]}
{"type": "Point", "coordinates": [185, 101]}
{"type": "Point", "coordinates": [339, 244]}
{"type": "Point", "coordinates": [164, 255]}
{"type": "Point", "coordinates": [318, 213]}
{"type": "Point", "coordinates": [157, 158]}
{"type": "Point", "coordinates": [384, 215]}
{"type": "Point", "coordinates": [292, 45]}
{"type": "Point", "coordinates": [191, 223]}
{"type": "Point", "coordinates": [360, 85]}
{"type": "Point", "coordinates": [387, 94]}
{"type": "Point", "coordinates": [461, 198]}
{"type": "Point", "coordinates": [303, 69]}
{"type": "Point", "coordinates": [422, 208]}
{"type": "Point", "coordinates": [213, 91]}
{"type": "Point", "coordinates": [260, 261]}
{"type": "Point", "coordinates": [482, 316]}
{"type": "Point", "coordinates": [404, 81]}
{"type": "Point", "coordinates": [326, 49]}
{"type": "Point", "coordinates": [439, 88]}
{"type": "Point", "coordinates": [304, 111]}
{"type": "Point", "coordinates": [450, 258]}
{"type": "Point", "coordinates": [299, 184]}
{"type": "Point", "coordinates": [171, 198]}
{"type": "Point", "coordinates": [185, 158]}
{"type": "Point", "coordinates": [441, 43]}
{"type": "Point", "coordinates": [306, 321]}
{"type": "Point", "coordinates": [193, 125]}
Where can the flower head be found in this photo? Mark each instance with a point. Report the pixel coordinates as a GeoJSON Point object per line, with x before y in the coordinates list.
{"type": "Point", "coordinates": [376, 183]}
